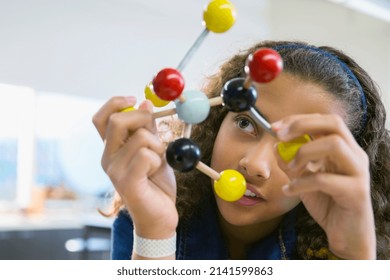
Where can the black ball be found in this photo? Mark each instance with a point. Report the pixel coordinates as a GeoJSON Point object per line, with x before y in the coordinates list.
{"type": "Point", "coordinates": [183, 154]}
{"type": "Point", "coordinates": [236, 98]}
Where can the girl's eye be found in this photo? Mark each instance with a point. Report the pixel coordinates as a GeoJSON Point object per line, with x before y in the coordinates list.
{"type": "Point", "coordinates": [245, 124]}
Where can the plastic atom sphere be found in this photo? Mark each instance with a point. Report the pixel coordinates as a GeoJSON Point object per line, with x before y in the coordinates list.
{"type": "Point", "coordinates": [168, 84]}
{"type": "Point", "coordinates": [231, 185]}
{"type": "Point", "coordinates": [236, 98]}
{"type": "Point", "coordinates": [219, 16]}
{"type": "Point", "coordinates": [183, 154]}
{"type": "Point", "coordinates": [288, 150]}
{"type": "Point", "coordinates": [195, 109]}
{"type": "Point", "coordinates": [264, 65]}
{"type": "Point", "coordinates": [150, 95]}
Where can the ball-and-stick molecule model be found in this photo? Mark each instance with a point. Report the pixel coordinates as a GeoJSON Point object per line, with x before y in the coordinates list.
{"type": "Point", "coordinates": [237, 95]}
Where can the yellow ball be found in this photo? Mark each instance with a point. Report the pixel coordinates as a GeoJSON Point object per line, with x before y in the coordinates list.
{"type": "Point", "coordinates": [288, 150]}
{"type": "Point", "coordinates": [231, 185]}
{"type": "Point", "coordinates": [128, 109]}
{"type": "Point", "coordinates": [219, 16]}
{"type": "Point", "coordinates": [149, 94]}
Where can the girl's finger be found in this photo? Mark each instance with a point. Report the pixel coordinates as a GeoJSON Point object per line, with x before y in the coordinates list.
{"type": "Point", "coordinates": [340, 188]}
{"type": "Point", "coordinates": [141, 138]}
{"type": "Point", "coordinates": [121, 126]}
{"type": "Point", "coordinates": [314, 124]}
{"type": "Point", "coordinates": [115, 104]}
{"type": "Point", "coordinates": [333, 152]}
{"type": "Point", "coordinates": [143, 165]}
{"type": "Point", "coordinates": [127, 176]}
{"type": "Point", "coordinates": [281, 127]}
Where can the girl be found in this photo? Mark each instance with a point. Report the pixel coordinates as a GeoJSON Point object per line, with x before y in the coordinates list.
{"type": "Point", "coordinates": [286, 212]}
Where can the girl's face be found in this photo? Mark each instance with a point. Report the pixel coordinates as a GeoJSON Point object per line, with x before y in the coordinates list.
{"type": "Point", "coordinates": [244, 146]}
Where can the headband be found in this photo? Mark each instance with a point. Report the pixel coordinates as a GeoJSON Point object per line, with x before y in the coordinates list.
{"type": "Point", "coordinates": [343, 66]}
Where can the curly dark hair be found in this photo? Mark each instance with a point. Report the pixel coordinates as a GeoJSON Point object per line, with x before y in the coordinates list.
{"type": "Point", "coordinates": [371, 134]}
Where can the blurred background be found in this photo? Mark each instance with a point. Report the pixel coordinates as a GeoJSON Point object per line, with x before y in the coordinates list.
{"type": "Point", "coordinates": [60, 60]}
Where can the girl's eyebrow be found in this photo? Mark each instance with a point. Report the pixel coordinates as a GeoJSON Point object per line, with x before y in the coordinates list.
{"type": "Point", "coordinates": [250, 115]}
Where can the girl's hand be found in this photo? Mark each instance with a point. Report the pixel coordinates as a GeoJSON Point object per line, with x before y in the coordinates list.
{"type": "Point", "coordinates": [134, 160]}
{"type": "Point", "coordinates": [338, 197]}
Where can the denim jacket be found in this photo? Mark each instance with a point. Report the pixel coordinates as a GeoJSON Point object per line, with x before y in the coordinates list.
{"type": "Point", "coordinates": [200, 238]}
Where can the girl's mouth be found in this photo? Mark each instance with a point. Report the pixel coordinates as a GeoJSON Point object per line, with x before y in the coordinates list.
{"type": "Point", "coordinates": [250, 198]}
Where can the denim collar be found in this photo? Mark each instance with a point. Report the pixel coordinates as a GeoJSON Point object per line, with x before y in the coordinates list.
{"type": "Point", "coordinates": [200, 238]}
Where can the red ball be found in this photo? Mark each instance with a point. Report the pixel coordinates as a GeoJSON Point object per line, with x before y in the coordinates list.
{"type": "Point", "coordinates": [264, 65]}
{"type": "Point", "coordinates": [168, 84]}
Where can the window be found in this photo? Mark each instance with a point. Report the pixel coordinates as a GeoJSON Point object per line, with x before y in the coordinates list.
{"type": "Point", "coordinates": [47, 140]}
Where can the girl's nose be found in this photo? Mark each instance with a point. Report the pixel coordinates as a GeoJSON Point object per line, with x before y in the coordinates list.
{"type": "Point", "coordinates": [257, 160]}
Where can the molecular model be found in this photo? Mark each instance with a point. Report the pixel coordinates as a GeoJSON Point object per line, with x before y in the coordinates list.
{"type": "Point", "coordinates": [192, 107]}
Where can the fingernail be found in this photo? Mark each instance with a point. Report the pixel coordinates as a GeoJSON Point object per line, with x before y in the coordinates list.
{"type": "Point", "coordinates": [147, 105]}
{"type": "Point", "coordinates": [276, 125]}
{"type": "Point", "coordinates": [282, 133]}
{"type": "Point", "coordinates": [131, 99]}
